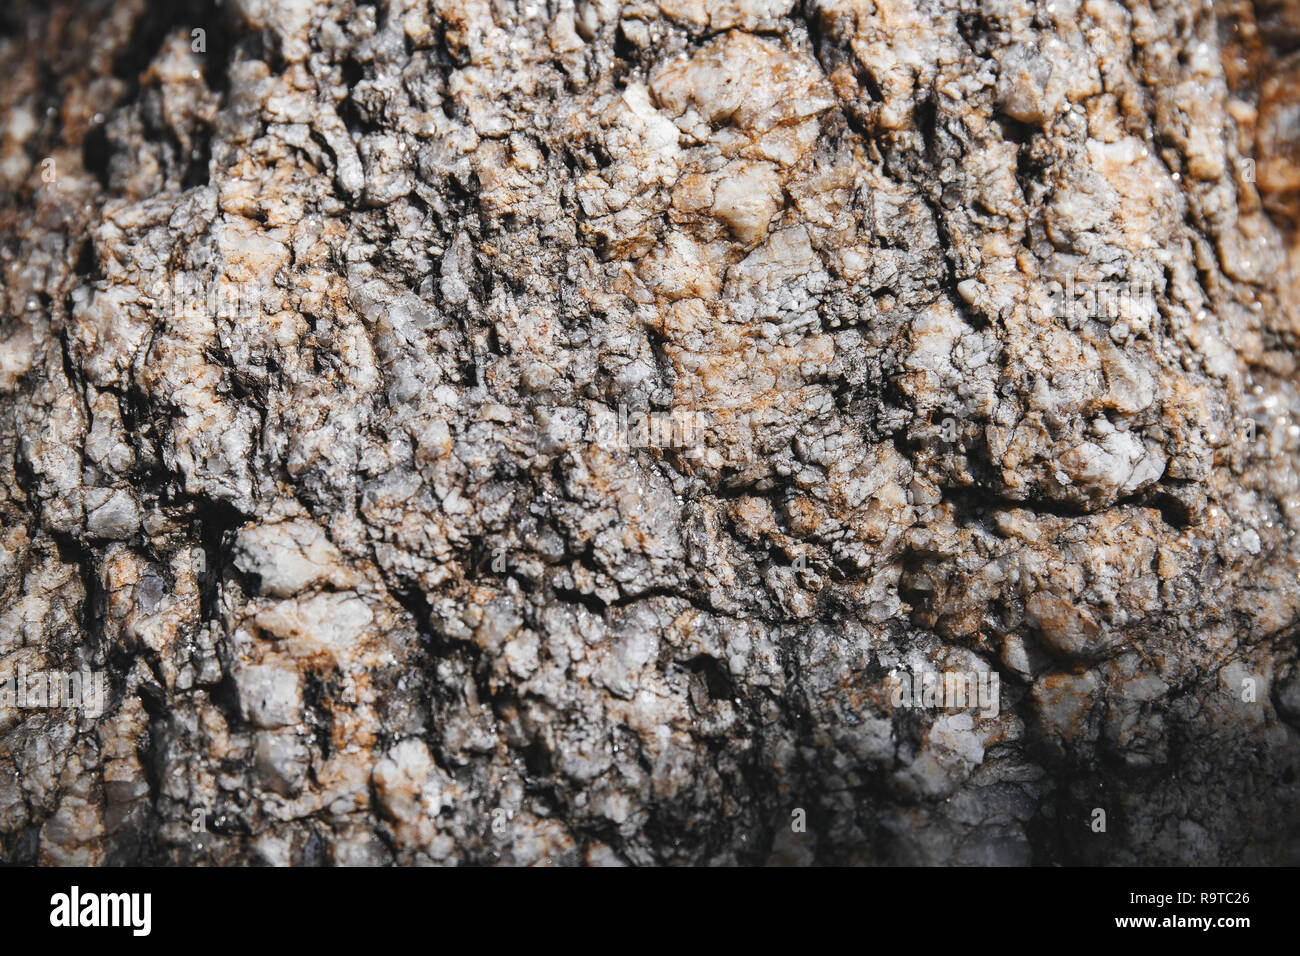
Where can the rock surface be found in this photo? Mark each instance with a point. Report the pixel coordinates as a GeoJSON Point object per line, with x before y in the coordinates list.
{"type": "Point", "coordinates": [543, 432]}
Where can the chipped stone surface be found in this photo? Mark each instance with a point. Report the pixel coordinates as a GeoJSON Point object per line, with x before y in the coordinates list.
{"type": "Point", "coordinates": [469, 432]}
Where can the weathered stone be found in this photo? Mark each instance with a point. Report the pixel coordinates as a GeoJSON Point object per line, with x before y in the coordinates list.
{"type": "Point", "coordinates": [474, 431]}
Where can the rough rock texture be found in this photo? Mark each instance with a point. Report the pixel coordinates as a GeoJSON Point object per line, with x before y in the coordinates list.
{"type": "Point", "coordinates": [330, 333]}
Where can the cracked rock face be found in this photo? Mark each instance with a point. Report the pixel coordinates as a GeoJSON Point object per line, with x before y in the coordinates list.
{"type": "Point", "coordinates": [469, 431]}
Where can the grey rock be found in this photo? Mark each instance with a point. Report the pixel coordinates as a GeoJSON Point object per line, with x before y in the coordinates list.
{"type": "Point", "coordinates": [499, 433]}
